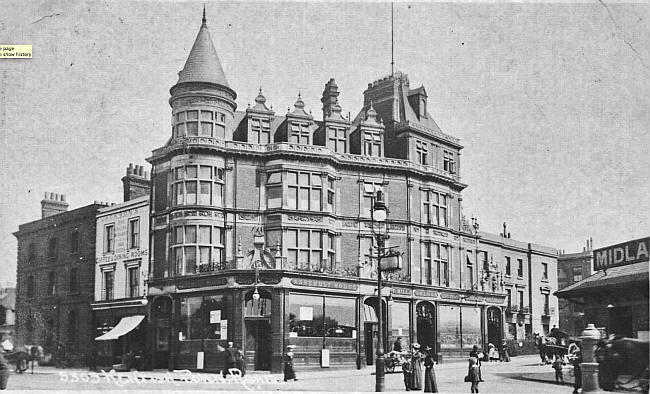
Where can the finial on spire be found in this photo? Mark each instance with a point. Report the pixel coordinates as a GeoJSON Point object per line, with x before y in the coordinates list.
{"type": "Point", "coordinates": [204, 21]}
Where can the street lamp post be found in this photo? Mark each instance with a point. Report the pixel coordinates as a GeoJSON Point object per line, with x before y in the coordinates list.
{"type": "Point", "coordinates": [379, 215]}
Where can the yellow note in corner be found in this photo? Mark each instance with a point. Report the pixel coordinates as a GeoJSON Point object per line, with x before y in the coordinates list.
{"type": "Point", "coordinates": [10, 51]}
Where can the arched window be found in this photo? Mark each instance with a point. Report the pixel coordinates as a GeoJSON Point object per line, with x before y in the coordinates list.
{"type": "Point", "coordinates": [261, 307]}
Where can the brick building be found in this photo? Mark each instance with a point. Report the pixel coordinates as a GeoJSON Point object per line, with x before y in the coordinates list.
{"type": "Point", "coordinates": [261, 229]}
{"type": "Point", "coordinates": [572, 268]}
{"type": "Point", "coordinates": [122, 256]}
{"type": "Point", "coordinates": [55, 279]}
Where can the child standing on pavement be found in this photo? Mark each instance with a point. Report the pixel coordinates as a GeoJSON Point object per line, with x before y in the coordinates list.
{"type": "Point", "coordinates": [473, 374]}
{"type": "Point", "coordinates": [557, 366]}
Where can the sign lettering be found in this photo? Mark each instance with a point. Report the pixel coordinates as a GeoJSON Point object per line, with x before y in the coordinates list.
{"type": "Point", "coordinates": [630, 252]}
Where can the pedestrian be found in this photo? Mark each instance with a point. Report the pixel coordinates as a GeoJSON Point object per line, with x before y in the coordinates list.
{"type": "Point", "coordinates": [4, 372]}
{"type": "Point", "coordinates": [397, 346]}
{"type": "Point", "coordinates": [493, 353]}
{"type": "Point", "coordinates": [240, 361]}
{"type": "Point", "coordinates": [576, 360]}
{"type": "Point", "coordinates": [473, 374]}
{"type": "Point", "coordinates": [289, 372]}
{"type": "Point", "coordinates": [407, 371]}
{"type": "Point", "coordinates": [475, 353]}
{"type": "Point", "coordinates": [229, 359]}
{"type": "Point", "coordinates": [430, 385]}
{"type": "Point", "coordinates": [416, 367]}
{"type": "Point", "coordinates": [557, 366]}
{"type": "Point", "coordinates": [504, 355]}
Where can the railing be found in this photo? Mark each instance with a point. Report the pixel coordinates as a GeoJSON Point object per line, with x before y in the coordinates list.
{"type": "Point", "coordinates": [214, 266]}
{"type": "Point", "coordinates": [512, 309]}
{"type": "Point", "coordinates": [324, 268]}
{"type": "Point", "coordinates": [309, 149]}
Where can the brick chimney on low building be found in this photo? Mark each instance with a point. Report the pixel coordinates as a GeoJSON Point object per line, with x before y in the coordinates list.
{"type": "Point", "coordinates": [53, 204]}
{"type": "Point", "coordinates": [137, 182]}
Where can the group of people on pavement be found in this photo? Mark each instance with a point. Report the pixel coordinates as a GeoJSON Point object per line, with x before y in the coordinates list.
{"type": "Point", "coordinates": [412, 368]}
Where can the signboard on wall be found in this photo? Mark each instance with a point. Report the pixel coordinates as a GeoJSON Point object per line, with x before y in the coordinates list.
{"type": "Point", "coordinates": [629, 252]}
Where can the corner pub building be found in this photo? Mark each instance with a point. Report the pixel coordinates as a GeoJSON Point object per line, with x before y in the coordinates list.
{"type": "Point", "coordinates": [260, 228]}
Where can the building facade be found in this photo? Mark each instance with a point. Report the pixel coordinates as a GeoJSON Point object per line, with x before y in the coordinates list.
{"type": "Point", "coordinates": [7, 312]}
{"type": "Point", "coordinates": [55, 280]}
{"type": "Point", "coordinates": [528, 276]}
{"type": "Point", "coordinates": [572, 268]}
{"type": "Point", "coordinates": [122, 267]}
{"type": "Point", "coordinates": [261, 230]}
{"type": "Point", "coordinates": [615, 296]}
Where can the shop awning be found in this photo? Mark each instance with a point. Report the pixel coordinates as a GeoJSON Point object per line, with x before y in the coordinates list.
{"type": "Point", "coordinates": [369, 314]}
{"type": "Point", "coordinates": [126, 325]}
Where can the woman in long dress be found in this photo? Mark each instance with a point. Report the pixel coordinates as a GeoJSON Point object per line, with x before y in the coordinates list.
{"type": "Point", "coordinates": [416, 366]}
{"type": "Point", "coordinates": [430, 385]}
{"type": "Point", "coordinates": [289, 372]}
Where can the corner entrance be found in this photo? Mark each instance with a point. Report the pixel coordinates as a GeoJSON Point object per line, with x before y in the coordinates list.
{"type": "Point", "coordinates": [258, 343]}
{"type": "Point", "coordinates": [426, 325]}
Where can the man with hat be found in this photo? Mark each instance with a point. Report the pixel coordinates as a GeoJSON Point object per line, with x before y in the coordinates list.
{"type": "Point", "coordinates": [430, 385]}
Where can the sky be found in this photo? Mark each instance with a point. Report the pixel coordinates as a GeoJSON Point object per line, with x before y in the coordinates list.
{"type": "Point", "coordinates": [550, 100]}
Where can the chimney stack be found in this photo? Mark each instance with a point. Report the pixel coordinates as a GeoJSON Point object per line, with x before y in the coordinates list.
{"type": "Point", "coordinates": [330, 98]}
{"type": "Point", "coordinates": [53, 204]}
{"type": "Point", "coordinates": [137, 182]}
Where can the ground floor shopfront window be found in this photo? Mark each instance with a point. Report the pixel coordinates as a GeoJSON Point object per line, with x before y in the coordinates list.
{"type": "Point", "coordinates": [460, 327]}
{"type": "Point", "coordinates": [317, 322]}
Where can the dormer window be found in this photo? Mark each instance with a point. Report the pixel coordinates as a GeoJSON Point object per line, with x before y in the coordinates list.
{"type": "Point", "coordinates": [299, 133]}
{"type": "Point", "coordinates": [372, 144]}
{"type": "Point", "coordinates": [337, 140]}
{"type": "Point", "coordinates": [260, 131]}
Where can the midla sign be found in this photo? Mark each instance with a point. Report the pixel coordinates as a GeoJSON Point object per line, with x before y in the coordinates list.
{"type": "Point", "coordinates": [622, 254]}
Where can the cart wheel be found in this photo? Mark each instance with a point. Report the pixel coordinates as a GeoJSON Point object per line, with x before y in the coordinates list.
{"type": "Point", "coordinates": [389, 366]}
{"type": "Point", "coordinates": [21, 365]}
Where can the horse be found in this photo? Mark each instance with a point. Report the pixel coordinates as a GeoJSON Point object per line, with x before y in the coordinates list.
{"type": "Point", "coordinates": [620, 356]}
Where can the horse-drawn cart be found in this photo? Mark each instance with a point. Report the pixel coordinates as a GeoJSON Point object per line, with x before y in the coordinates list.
{"type": "Point", "coordinates": [19, 359]}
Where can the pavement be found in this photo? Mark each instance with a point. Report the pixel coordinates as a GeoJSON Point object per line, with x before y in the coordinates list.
{"type": "Point", "coordinates": [524, 374]}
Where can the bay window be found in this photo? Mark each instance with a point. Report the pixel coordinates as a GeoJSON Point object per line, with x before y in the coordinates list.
{"type": "Point", "coordinates": [197, 248]}
{"type": "Point", "coordinates": [197, 185]}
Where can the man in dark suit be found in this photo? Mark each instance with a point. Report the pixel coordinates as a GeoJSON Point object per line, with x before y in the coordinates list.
{"type": "Point", "coordinates": [229, 359]}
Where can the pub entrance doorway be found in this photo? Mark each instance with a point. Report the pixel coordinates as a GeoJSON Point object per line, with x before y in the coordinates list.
{"type": "Point", "coordinates": [426, 325]}
{"type": "Point", "coordinates": [494, 330]}
{"type": "Point", "coordinates": [258, 343]}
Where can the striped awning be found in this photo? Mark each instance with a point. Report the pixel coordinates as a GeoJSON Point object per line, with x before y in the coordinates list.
{"type": "Point", "coordinates": [369, 314]}
{"type": "Point", "coordinates": [126, 325]}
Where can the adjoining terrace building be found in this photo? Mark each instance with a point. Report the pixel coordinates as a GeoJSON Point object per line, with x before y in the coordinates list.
{"type": "Point", "coordinates": [119, 309]}
{"type": "Point", "coordinates": [251, 203]}
{"type": "Point", "coordinates": [55, 280]}
{"type": "Point", "coordinates": [572, 268]}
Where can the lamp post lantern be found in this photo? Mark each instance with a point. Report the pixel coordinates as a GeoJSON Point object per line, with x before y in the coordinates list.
{"type": "Point", "coordinates": [379, 215]}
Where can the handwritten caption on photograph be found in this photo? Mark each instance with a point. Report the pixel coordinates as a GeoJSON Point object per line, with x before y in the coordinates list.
{"type": "Point", "coordinates": [15, 51]}
{"type": "Point", "coordinates": [175, 378]}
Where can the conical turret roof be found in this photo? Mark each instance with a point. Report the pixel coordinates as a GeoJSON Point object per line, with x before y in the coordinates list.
{"type": "Point", "coordinates": [203, 64]}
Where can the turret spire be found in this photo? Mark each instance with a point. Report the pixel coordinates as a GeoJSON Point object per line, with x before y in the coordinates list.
{"type": "Point", "coordinates": [203, 64]}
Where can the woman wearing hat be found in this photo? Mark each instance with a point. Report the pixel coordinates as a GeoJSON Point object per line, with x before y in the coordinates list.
{"type": "Point", "coordinates": [416, 367]}
{"type": "Point", "coordinates": [430, 385]}
{"type": "Point", "coordinates": [289, 372]}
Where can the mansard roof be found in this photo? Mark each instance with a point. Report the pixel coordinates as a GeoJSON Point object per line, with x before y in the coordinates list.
{"type": "Point", "coordinates": [203, 64]}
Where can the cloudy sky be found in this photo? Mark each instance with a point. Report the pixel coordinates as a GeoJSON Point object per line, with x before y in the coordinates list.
{"type": "Point", "coordinates": [550, 100]}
